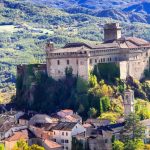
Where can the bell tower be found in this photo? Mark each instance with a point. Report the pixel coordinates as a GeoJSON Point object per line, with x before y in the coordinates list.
{"type": "Point", "coordinates": [128, 102]}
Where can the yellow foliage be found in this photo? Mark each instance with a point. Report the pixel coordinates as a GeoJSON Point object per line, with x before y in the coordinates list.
{"type": "Point", "coordinates": [147, 147]}
{"type": "Point", "coordinates": [103, 90]}
{"type": "Point", "coordinates": [116, 105]}
{"type": "Point", "coordinates": [143, 113]}
{"type": "Point", "coordinates": [112, 116]}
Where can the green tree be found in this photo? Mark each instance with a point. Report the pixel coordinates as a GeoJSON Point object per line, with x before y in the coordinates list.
{"type": "Point", "coordinates": [92, 80]}
{"type": "Point", "coordinates": [118, 145]}
{"type": "Point", "coordinates": [22, 145]}
{"type": "Point", "coordinates": [134, 145]}
{"type": "Point", "coordinates": [92, 112]}
{"type": "Point", "coordinates": [101, 107]}
{"type": "Point", "coordinates": [105, 103]}
{"type": "Point", "coordinates": [36, 147]}
{"type": "Point", "coordinates": [68, 71]}
{"type": "Point", "coordinates": [82, 85]}
{"type": "Point", "coordinates": [133, 129]}
{"type": "Point", "coordinates": [107, 71]}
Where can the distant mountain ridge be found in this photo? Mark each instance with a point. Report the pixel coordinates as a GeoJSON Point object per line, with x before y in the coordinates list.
{"type": "Point", "coordinates": [123, 10]}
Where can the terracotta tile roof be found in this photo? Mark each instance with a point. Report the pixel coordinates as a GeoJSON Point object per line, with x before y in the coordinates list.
{"type": "Point", "coordinates": [24, 134]}
{"type": "Point", "coordinates": [70, 49]}
{"type": "Point", "coordinates": [52, 144]}
{"type": "Point", "coordinates": [123, 42]}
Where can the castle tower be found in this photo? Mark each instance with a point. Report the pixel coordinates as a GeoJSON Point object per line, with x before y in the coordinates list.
{"type": "Point", "coordinates": [49, 47]}
{"type": "Point", "coordinates": [112, 32]}
{"type": "Point", "coordinates": [128, 102]}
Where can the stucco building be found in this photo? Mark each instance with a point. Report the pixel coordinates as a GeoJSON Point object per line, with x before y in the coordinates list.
{"type": "Point", "coordinates": [130, 53]}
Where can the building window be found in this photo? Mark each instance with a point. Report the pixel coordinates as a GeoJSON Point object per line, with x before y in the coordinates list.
{"type": "Point", "coordinates": [54, 140]}
{"type": "Point", "coordinates": [62, 133]}
{"type": "Point", "coordinates": [106, 141]}
{"type": "Point", "coordinates": [66, 133]}
{"type": "Point", "coordinates": [67, 62]}
{"type": "Point", "coordinates": [66, 148]}
{"type": "Point", "coordinates": [90, 61]}
{"type": "Point", "coordinates": [58, 62]}
{"type": "Point", "coordinates": [66, 141]}
{"type": "Point", "coordinates": [62, 141]}
{"type": "Point", "coordinates": [54, 133]}
{"type": "Point", "coordinates": [95, 60]}
{"type": "Point", "coordinates": [77, 62]}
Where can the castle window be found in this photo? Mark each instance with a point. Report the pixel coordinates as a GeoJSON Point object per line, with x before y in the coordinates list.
{"type": "Point", "coordinates": [67, 62]}
{"type": "Point", "coordinates": [58, 62]}
{"type": "Point", "coordinates": [106, 140]}
{"type": "Point", "coordinates": [77, 62]}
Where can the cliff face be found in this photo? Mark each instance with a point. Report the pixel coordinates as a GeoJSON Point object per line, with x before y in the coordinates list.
{"type": "Point", "coordinates": [27, 78]}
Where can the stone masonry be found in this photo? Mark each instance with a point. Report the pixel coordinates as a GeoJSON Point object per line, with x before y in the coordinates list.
{"type": "Point", "coordinates": [131, 53]}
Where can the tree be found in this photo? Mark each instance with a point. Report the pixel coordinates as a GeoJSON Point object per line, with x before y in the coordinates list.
{"type": "Point", "coordinates": [133, 129]}
{"type": "Point", "coordinates": [92, 112]}
{"type": "Point", "coordinates": [118, 145]}
{"type": "Point", "coordinates": [92, 81]}
{"type": "Point", "coordinates": [134, 145]}
{"type": "Point", "coordinates": [22, 145]}
{"type": "Point", "coordinates": [82, 85]}
{"type": "Point", "coordinates": [68, 71]}
{"type": "Point", "coordinates": [36, 147]}
{"type": "Point", "coordinates": [105, 103]}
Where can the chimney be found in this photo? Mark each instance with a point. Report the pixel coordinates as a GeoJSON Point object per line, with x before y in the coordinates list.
{"type": "Point", "coordinates": [112, 32]}
{"type": "Point", "coordinates": [49, 46]}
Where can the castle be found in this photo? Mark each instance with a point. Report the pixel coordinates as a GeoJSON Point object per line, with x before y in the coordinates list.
{"type": "Point", "coordinates": [130, 53]}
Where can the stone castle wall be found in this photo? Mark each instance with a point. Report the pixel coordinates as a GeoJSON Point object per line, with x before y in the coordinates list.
{"type": "Point", "coordinates": [133, 64]}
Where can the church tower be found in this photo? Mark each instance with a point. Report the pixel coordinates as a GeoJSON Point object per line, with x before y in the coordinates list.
{"type": "Point", "coordinates": [128, 102]}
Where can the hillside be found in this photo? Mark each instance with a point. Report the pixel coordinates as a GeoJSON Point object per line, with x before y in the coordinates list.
{"type": "Point", "coordinates": [123, 10]}
{"type": "Point", "coordinates": [97, 4]}
{"type": "Point", "coordinates": [24, 29]}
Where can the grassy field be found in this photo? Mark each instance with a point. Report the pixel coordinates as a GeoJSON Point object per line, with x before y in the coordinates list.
{"type": "Point", "coordinates": [8, 28]}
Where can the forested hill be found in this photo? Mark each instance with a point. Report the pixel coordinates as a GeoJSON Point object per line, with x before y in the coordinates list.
{"type": "Point", "coordinates": [25, 27]}
{"type": "Point", "coordinates": [123, 10]}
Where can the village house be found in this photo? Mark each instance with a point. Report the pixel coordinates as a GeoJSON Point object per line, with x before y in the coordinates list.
{"type": "Point", "coordinates": [67, 115]}
{"type": "Point", "coordinates": [13, 115]}
{"type": "Point", "coordinates": [12, 140]}
{"type": "Point", "coordinates": [65, 112]}
{"type": "Point", "coordinates": [7, 129]}
{"type": "Point", "coordinates": [64, 131]}
{"type": "Point", "coordinates": [40, 118]}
